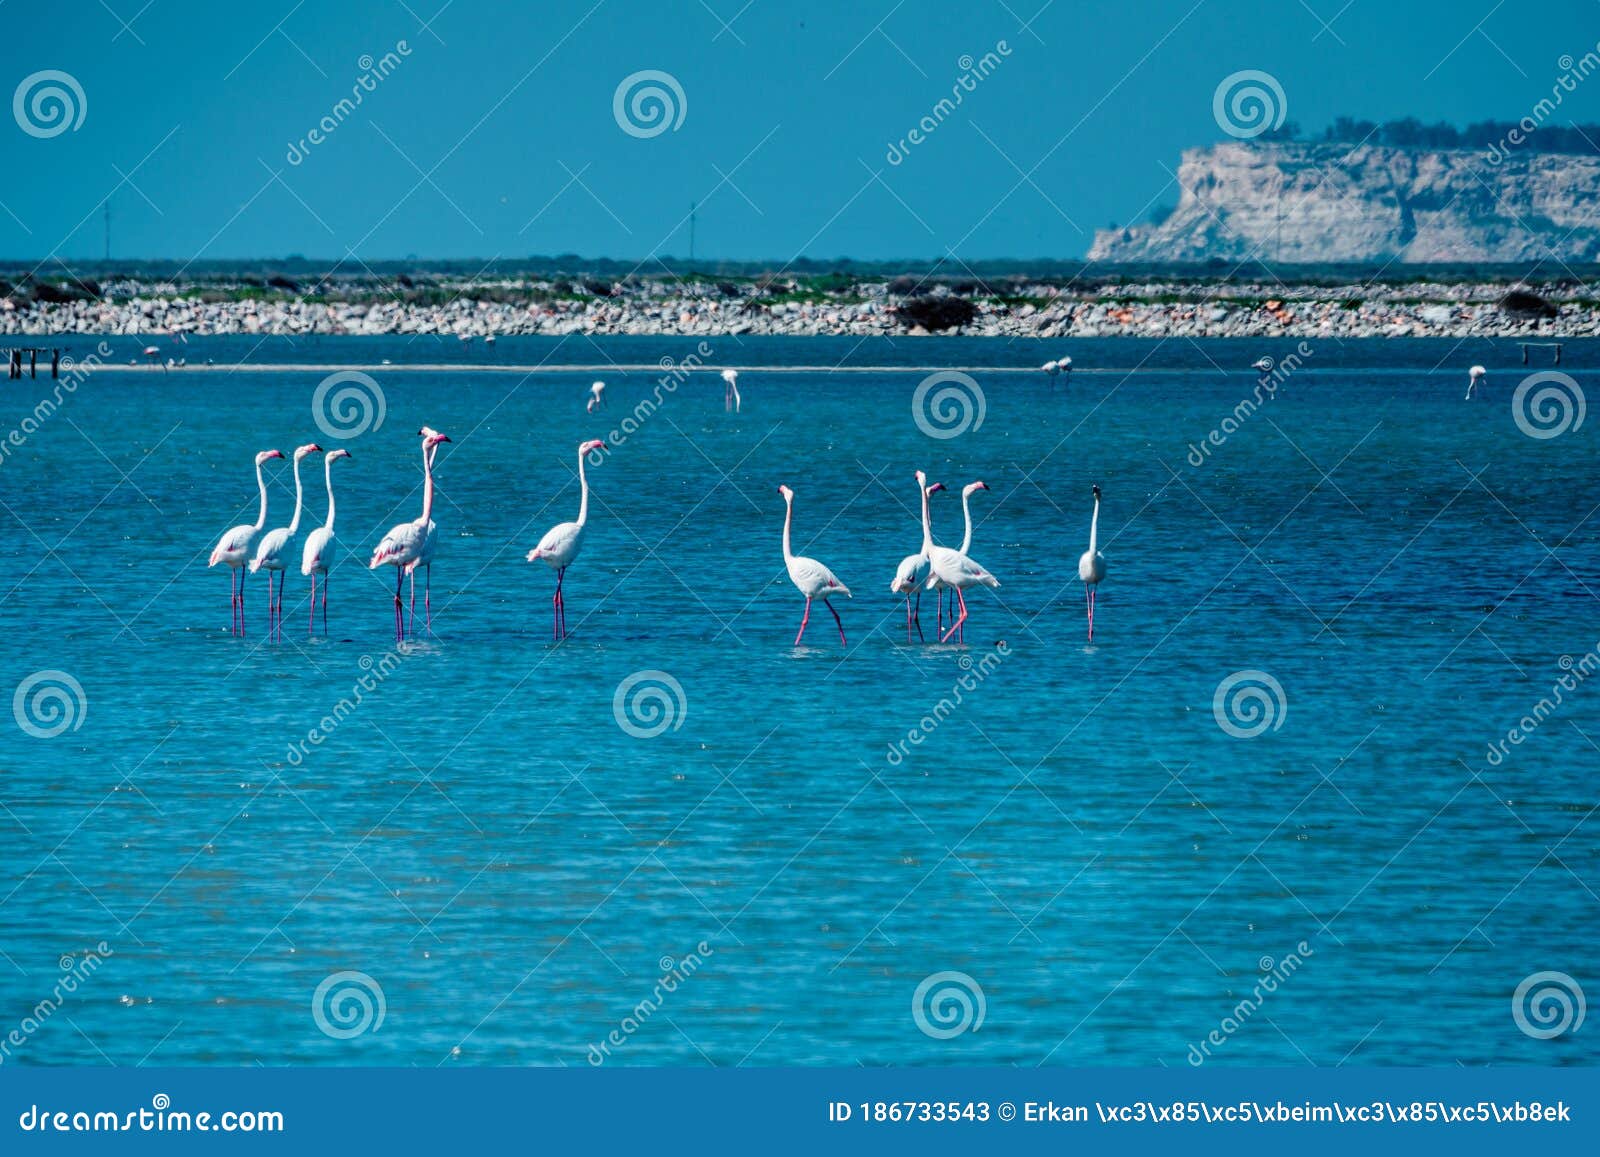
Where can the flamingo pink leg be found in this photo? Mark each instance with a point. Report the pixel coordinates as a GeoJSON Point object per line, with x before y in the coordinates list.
{"type": "Point", "coordinates": [412, 571]}
{"type": "Point", "coordinates": [559, 609]}
{"type": "Point", "coordinates": [916, 617]}
{"type": "Point", "coordinates": [956, 626]}
{"type": "Point", "coordinates": [311, 623]}
{"type": "Point", "coordinates": [427, 597]}
{"type": "Point", "coordinates": [324, 604]}
{"type": "Point", "coordinates": [1089, 590]}
{"type": "Point", "coordinates": [399, 622]}
{"type": "Point", "coordinates": [836, 620]}
{"type": "Point", "coordinates": [804, 619]}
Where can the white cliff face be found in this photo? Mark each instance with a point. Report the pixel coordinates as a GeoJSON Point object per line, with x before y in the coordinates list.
{"type": "Point", "coordinates": [1295, 202]}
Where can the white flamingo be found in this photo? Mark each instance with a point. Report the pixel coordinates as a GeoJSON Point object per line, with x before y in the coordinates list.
{"type": "Point", "coordinates": [955, 569]}
{"type": "Point", "coordinates": [730, 392]}
{"type": "Point", "coordinates": [934, 583]}
{"type": "Point", "coordinates": [233, 548]}
{"type": "Point", "coordinates": [272, 552]}
{"type": "Point", "coordinates": [1064, 365]}
{"type": "Point", "coordinates": [1092, 566]}
{"type": "Point", "coordinates": [597, 397]}
{"type": "Point", "coordinates": [403, 544]}
{"type": "Point", "coordinates": [914, 569]}
{"type": "Point", "coordinates": [424, 559]}
{"type": "Point", "coordinates": [1474, 376]}
{"type": "Point", "coordinates": [560, 546]}
{"type": "Point", "coordinates": [813, 580]}
{"type": "Point", "coordinates": [318, 555]}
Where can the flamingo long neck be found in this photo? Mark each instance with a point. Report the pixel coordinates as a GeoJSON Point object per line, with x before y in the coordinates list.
{"type": "Point", "coordinates": [788, 517]}
{"type": "Point", "coordinates": [966, 510]}
{"type": "Point", "coordinates": [327, 470]}
{"type": "Point", "coordinates": [583, 487]}
{"type": "Point", "coordinates": [1094, 528]}
{"type": "Point", "coordinates": [927, 528]}
{"type": "Point", "coordinates": [294, 523]}
{"type": "Point", "coordinates": [427, 486]}
{"type": "Point", "coordinates": [261, 484]}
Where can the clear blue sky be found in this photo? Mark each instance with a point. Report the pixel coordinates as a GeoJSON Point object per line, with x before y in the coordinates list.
{"type": "Point", "coordinates": [495, 136]}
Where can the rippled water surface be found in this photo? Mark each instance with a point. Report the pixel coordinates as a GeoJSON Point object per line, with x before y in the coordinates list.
{"type": "Point", "coordinates": [488, 839]}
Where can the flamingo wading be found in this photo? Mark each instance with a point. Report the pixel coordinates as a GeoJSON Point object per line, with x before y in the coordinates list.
{"type": "Point", "coordinates": [273, 551]}
{"type": "Point", "coordinates": [813, 580]}
{"type": "Point", "coordinates": [318, 556]}
{"type": "Point", "coordinates": [955, 569]}
{"type": "Point", "coordinates": [935, 583]}
{"type": "Point", "coordinates": [914, 569]}
{"type": "Point", "coordinates": [1092, 566]}
{"type": "Point", "coordinates": [233, 548]}
{"type": "Point", "coordinates": [560, 546]}
{"type": "Point", "coordinates": [403, 545]}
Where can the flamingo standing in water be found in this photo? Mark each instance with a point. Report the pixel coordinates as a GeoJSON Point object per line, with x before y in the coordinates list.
{"type": "Point", "coordinates": [272, 551]}
{"type": "Point", "coordinates": [318, 556]}
{"type": "Point", "coordinates": [402, 546]}
{"type": "Point", "coordinates": [560, 546]}
{"type": "Point", "coordinates": [597, 397]}
{"type": "Point", "coordinates": [813, 580]}
{"type": "Point", "coordinates": [914, 568]}
{"type": "Point", "coordinates": [934, 582]}
{"type": "Point", "coordinates": [730, 392]}
{"type": "Point", "coordinates": [1092, 566]}
{"type": "Point", "coordinates": [233, 548]}
{"type": "Point", "coordinates": [424, 559]}
{"type": "Point", "coordinates": [955, 569]}
{"type": "Point", "coordinates": [1474, 376]}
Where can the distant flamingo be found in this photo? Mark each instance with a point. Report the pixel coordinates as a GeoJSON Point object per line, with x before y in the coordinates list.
{"type": "Point", "coordinates": [1064, 365]}
{"type": "Point", "coordinates": [1092, 566]}
{"type": "Point", "coordinates": [914, 568]}
{"type": "Point", "coordinates": [318, 555]}
{"type": "Point", "coordinates": [1263, 365]}
{"type": "Point", "coordinates": [597, 397]}
{"type": "Point", "coordinates": [730, 392]}
{"type": "Point", "coordinates": [955, 569]}
{"type": "Point", "coordinates": [233, 548]}
{"type": "Point", "coordinates": [813, 580]}
{"type": "Point", "coordinates": [1474, 376]}
{"type": "Point", "coordinates": [560, 546]}
{"type": "Point", "coordinates": [935, 583]}
{"type": "Point", "coordinates": [1051, 368]}
{"type": "Point", "coordinates": [275, 545]}
{"type": "Point", "coordinates": [403, 544]}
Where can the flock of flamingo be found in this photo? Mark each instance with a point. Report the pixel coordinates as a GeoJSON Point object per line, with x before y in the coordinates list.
{"type": "Point", "coordinates": [410, 546]}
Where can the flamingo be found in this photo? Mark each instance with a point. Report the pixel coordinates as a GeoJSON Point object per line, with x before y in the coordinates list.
{"type": "Point", "coordinates": [1474, 376]}
{"type": "Point", "coordinates": [934, 583]}
{"type": "Point", "coordinates": [424, 559]}
{"type": "Point", "coordinates": [597, 397]}
{"type": "Point", "coordinates": [318, 555]}
{"type": "Point", "coordinates": [1064, 365]}
{"type": "Point", "coordinates": [955, 569]}
{"type": "Point", "coordinates": [812, 578]}
{"type": "Point", "coordinates": [1051, 368]}
{"type": "Point", "coordinates": [1092, 566]}
{"type": "Point", "coordinates": [403, 544]}
{"type": "Point", "coordinates": [914, 568]}
{"type": "Point", "coordinates": [233, 548]}
{"type": "Point", "coordinates": [275, 544]}
{"type": "Point", "coordinates": [560, 546]}
{"type": "Point", "coordinates": [730, 393]}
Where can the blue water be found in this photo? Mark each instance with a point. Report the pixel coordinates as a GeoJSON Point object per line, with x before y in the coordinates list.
{"type": "Point", "coordinates": [1079, 835]}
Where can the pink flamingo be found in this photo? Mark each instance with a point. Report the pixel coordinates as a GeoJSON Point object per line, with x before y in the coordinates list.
{"type": "Point", "coordinates": [813, 580]}
{"type": "Point", "coordinates": [233, 548]}
{"type": "Point", "coordinates": [403, 544]}
{"type": "Point", "coordinates": [1092, 565]}
{"type": "Point", "coordinates": [318, 556]}
{"type": "Point", "coordinates": [934, 583]}
{"type": "Point", "coordinates": [914, 568]}
{"type": "Point", "coordinates": [560, 546]}
{"type": "Point", "coordinates": [275, 545]}
{"type": "Point", "coordinates": [956, 570]}
{"type": "Point", "coordinates": [424, 559]}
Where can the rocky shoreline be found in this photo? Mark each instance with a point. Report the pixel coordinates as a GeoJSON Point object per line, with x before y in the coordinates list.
{"type": "Point", "coordinates": [1032, 311]}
